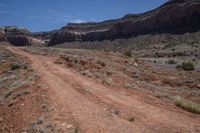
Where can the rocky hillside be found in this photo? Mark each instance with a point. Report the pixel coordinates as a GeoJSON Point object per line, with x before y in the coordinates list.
{"type": "Point", "coordinates": [19, 36]}
{"type": "Point", "coordinates": [175, 16]}
{"type": "Point", "coordinates": [45, 36]}
{"type": "Point", "coordinates": [2, 35]}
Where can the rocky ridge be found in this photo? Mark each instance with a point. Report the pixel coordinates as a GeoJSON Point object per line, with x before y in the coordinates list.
{"type": "Point", "coordinates": [2, 35]}
{"type": "Point", "coordinates": [175, 16]}
{"type": "Point", "coordinates": [19, 36]}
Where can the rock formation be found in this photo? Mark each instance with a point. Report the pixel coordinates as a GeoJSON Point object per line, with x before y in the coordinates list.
{"type": "Point", "coordinates": [19, 36]}
{"type": "Point", "coordinates": [2, 35]}
{"type": "Point", "coordinates": [175, 16]}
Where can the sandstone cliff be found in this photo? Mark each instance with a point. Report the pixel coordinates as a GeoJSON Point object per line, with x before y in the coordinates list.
{"type": "Point", "coordinates": [175, 16]}
{"type": "Point", "coordinates": [18, 36]}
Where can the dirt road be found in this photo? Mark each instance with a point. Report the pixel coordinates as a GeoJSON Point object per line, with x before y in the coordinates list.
{"type": "Point", "coordinates": [97, 108]}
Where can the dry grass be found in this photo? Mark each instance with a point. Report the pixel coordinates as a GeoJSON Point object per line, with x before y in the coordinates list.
{"type": "Point", "coordinates": [162, 95]}
{"type": "Point", "coordinates": [129, 86]}
{"type": "Point", "coordinates": [187, 105]}
{"type": "Point", "coordinates": [4, 67]}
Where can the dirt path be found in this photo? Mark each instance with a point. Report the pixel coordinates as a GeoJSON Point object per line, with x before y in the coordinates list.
{"type": "Point", "coordinates": [100, 109]}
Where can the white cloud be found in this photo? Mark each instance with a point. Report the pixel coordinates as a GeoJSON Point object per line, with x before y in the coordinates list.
{"type": "Point", "coordinates": [40, 18]}
{"type": "Point", "coordinates": [92, 19]}
{"type": "Point", "coordinates": [54, 16]}
{"type": "Point", "coordinates": [78, 21]}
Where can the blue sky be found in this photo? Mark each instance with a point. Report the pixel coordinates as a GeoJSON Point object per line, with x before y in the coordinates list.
{"type": "Point", "coordinates": [45, 15]}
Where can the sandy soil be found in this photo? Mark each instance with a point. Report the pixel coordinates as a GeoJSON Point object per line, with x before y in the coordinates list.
{"type": "Point", "coordinates": [98, 108]}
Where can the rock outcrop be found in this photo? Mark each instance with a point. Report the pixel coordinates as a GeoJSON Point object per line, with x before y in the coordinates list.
{"type": "Point", "coordinates": [19, 36]}
{"type": "Point", "coordinates": [2, 35]}
{"type": "Point", "coordinates": [175, 16]}
{"type": "Point", "coordinates": [23, 40]}
{"type": "Point", "coordinates": [45, 36]}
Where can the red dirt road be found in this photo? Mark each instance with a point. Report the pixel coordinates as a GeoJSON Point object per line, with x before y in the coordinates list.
{"type": "Point", "coordinates": [97, 108]}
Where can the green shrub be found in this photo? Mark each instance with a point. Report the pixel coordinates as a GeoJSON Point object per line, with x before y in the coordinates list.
{"type": "Point", "coordinates": [178, 67]}
{"type": "Point", "coordinates": [15, 66]}
{"type": "Point", "coordinates": [187, 66]}
{"type": "Point", "coordinates": [128, 53]}
{"type": "Point", "coordinates": [171, 61]}
{"type": "Point", "coordinates": [187, 105]}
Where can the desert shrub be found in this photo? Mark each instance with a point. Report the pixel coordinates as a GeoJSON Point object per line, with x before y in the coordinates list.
{"type": "Point", "coordinates": [171, 61]}
{"type": "Point", "coordinates": [162, 95]}
{"type": "Point", "coordinates": [101, 63]}
{"type": "Point", "coordinates": [128, 53]}
{"type": "Point", "coordinates": [173, 49]}
{"type": "Point", "coordinates": [187, 66]}
{"type": "Point", "coordinates": [178, 66]}
{"type": "Point", "coordinates": [129, 86]}
{"type": "Point", "coordinates": [108, 81]}
{"type": "Point", "coordinates": [15, 66]}
{"type": "Point", "coordinates": [154, 61]}
{"type": "Point", "coordinates": [187, 105]}
{"type": "Point", "coordinates": [131, 119]}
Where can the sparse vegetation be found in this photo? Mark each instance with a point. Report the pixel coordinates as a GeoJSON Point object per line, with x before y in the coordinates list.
{"type": "Point", "coordinates": [187, 105]}
{"type": "Point", "coordinates": [162, 95]}
{"type": "Point", "coordinates": [171, 61]}
{"type": "Point", "coordinates": [187, 66]}
{"type": "Point", "coordinates": [178, 67]}
{"type": "Point", "coordinates": [128, 53]}
{"type": "Point", "coordinates": [112, 76]}
{"type": "Point", "coordinates": [129, 86]}
{"type": "Point", "coordinates": [101, 63]}
{"type": "Point", "coordinates": [154, 61]}
{"type": "Point", "coordinates": [15, 66]}
{"type": "Point", "coordinates": [108, 81]}
{"type": "Point", "coordinates": [10, 63]}
{"type": "Point", "coordinates": [135, 44]}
